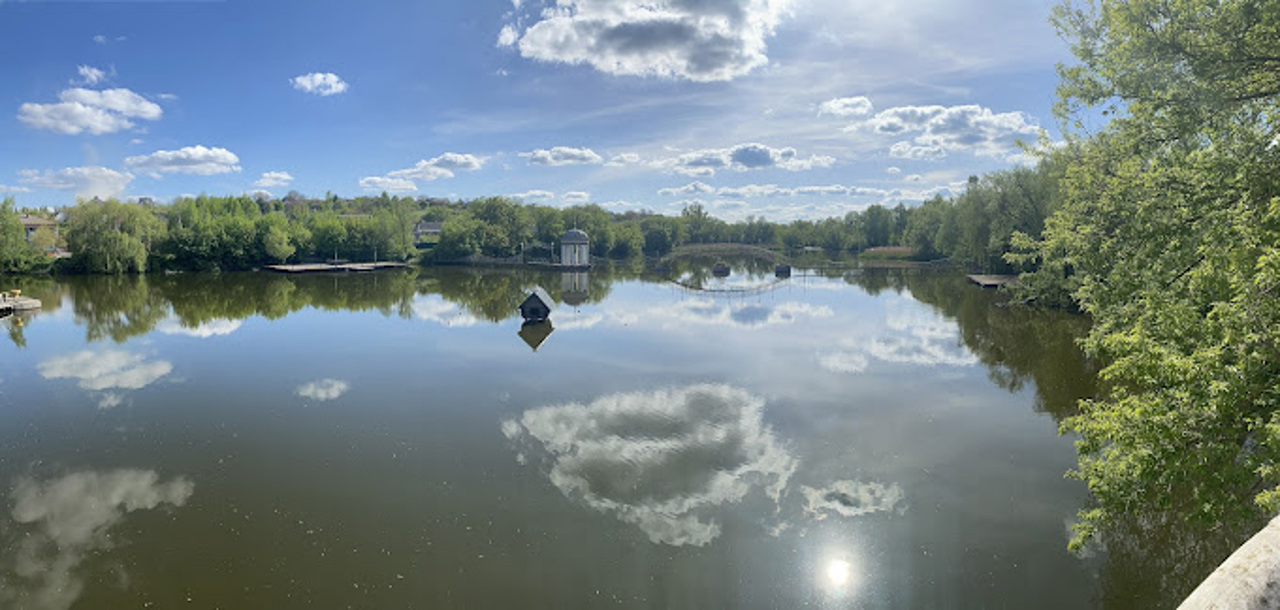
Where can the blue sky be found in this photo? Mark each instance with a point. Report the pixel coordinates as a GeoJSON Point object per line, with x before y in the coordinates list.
{"type": "Point", "coordinates": [782, 108]}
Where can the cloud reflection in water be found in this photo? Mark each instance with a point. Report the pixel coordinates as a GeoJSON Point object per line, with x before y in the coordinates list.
{"type": "Point", "coordinates": [661, 460]}
{"type": "Point", "coordinates": [61, 522]}
{"type": "Point", "coordinates": [104, 371]}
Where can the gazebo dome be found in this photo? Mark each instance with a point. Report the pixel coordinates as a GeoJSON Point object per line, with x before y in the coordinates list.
{"type": "Point", "coordinates": [575, 236]}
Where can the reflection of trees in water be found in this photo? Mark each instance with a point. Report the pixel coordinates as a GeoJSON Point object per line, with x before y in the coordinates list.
{"type": "Point", "coordinates": [1017, 345]}
{"type": "Point", "coordinates": [1157, 552]}
{"type": "Point", "coordinates": [1155, 557]}
{"type": "Point", "coordinates": [117, 307]}
{"type": "Point", "coordinates": [122, 307]}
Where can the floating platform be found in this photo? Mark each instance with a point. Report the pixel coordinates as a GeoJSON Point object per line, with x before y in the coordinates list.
{"type": "Point", "coordinates": [332, 268]}
{"type": "Point", "coordinates": [10, 304]}
{"type": "Point", "coordinates": [992, 281]}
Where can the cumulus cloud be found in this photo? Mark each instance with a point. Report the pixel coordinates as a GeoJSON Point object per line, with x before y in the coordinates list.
{"type": "Point", "coordinates": [743, 157]}
{"type": "Point", "coordinates": [663, 461]}
{"type": "Point", "coordinates": [197, 160]}
{"type": "Point", "coordinates": [846, 107]}
{"type": "Point", "coordinates": [576, 197]}
{"type": "Point", "coordinates": [738, 315]}
{"type": "Point", "coordinates": [89, 75]}
{"type": "Point", "coordinates": [851, 499]}
{"type": "Point", "coordinates": [693, 40]}
{"type": "Point", "coordinates": [535, 195]}
{"type": "Point", "coordinates": [693, 188]}
{"type": "Point", "coordinates": [273, 179]}
{"type": "Point", "coordinates": [212, 328]}
{"type": "Point", "coordinates": [319, 83]}
{"type": "Point", "coordinates": [64, 521]}
{"type": "Point", "coordinates": [427, 170]}
{"type": "Point", "coordinates": [323, 389]}
{"type": "Point", "coordinates": [934, 131]}
{"type": "Point", "coordinates": [623, 159]}
{"type": "Point", "coordinates": [86, 182]}
{"type": "Point", "coordinates": [85, 110]}
{"type": "Point", "coordinates": [390, 185]}
{"type": "Point", "coordinates": [563, 155]}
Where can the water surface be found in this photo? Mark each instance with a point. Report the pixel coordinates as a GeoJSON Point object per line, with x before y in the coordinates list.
{"type": "Point", "coordinates": [868, 439]}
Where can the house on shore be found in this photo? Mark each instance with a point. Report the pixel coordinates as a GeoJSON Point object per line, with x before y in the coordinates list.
{"type": "Point", "coordinates": [31, 224]}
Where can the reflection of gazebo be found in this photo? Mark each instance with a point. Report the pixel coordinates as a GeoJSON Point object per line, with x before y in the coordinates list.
{"type": "Point", "coordinates": [574, 288]}
{"type": "Point", "coordinates": [575, 249]}
{"type": "Point", "coordinates": [534, 333]}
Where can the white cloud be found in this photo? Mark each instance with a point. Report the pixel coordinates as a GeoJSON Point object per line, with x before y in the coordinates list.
{"type": "Point", "coordinates": [197, 160]}
{"type": "Point", "coordinates": [694, 40]}
{"type": "Point", "coordinates": [213, 328]}
{"type": "Point", "coordinates": [14, 189]}
{"type": "Point", "coordinates": [663, 461]}
{"type": "Point", "coordinates": [905, 150]}
{"type": "Point", "coordinates": [273, 179]}
{"type": "Point", "coordinates": [390, 185]}
{"type": "Point", "coordinates": [319, 83]}
{"type": "Point", "coordinates": [86, 110]}
{"type": "Point", "coordinates": [743, 157]}
{"type": "Point", "coordinates": [563, 155]}
{"type": "Point", "coordinates": [846, 107]}
{"type": "Point", "coordinates": [323, 389]}
{"type": "Point", "coordinates": [623, 159]}
{"type": "Point", "coordinates": [893, 171]}
{"type": "Point", "coordinates": [100, 39]}
{"type": "Point", "coordinates": [508, 36]}
{"type": "Point", "coordinates": [67, 520]}
{"type": "Point", "coordinates": [693, 188]}
{"type": "Point", "coordinates": [457, 161]}
{"type": "Point", "coordinates": [851, 499]}
{"type": "Point", "coordinates": [405, 180]}
{"type": "Point", "coordinates": [86, 182]}
{"type": "Point", "coordinates": [938, 130]}
{"type": "Point", "coordinates": [535, 195]}
{"type": "Point", "coordinates": [913, 178]}
{"type": "Point", "coordinates": [576, 197]}
{"type": "Point", "coordinates": [89, 75]}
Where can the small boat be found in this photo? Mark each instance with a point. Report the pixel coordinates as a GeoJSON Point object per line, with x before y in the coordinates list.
{"type": "Point", "coordinates": [720, 269]}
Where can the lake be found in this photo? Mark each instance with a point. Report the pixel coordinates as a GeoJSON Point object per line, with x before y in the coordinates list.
{"type": "Point", "coordinates": [848, 438]}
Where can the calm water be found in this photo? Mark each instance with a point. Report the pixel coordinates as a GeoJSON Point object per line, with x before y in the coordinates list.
{"type": "Point", "coordinates": [872, 439]}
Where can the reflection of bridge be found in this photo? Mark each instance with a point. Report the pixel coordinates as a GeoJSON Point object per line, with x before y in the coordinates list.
{"type": "Point", "coordinates": [690, 251]}
{"type": "Point", "coordinates": [733, 290]}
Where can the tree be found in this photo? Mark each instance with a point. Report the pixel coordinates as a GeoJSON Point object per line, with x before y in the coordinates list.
{"type": "Point", "coordinates": [112, 237]}
{"type": "Point", "coordinates": [1167, 235]}
{"type": "Point", "coordinates": [16, 255]}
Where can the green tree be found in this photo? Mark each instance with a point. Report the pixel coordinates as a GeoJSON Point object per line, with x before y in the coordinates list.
{"type": "Point", "coordinates": [1167, 235]}
{"type": "Point", "coordinates": [112, 237]}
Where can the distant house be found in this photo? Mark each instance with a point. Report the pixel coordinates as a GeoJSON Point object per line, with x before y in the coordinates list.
{"type": "Point", "coordinates": [537, 306]}
{"type": "Point", "coordinates": [31, 224]}
{"type": "Point", "coordinates": [425, 229]}
{"type": "Point", "coordinates": [575, 249]}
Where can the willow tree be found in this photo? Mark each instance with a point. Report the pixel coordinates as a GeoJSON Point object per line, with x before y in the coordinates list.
{"type": "Point", "coordinates": [1168, 235]}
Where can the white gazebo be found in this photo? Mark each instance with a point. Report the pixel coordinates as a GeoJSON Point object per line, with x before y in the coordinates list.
{"type": "Point", "coordinates": [575, 249]}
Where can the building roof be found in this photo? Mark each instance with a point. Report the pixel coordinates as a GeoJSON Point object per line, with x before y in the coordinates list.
{"type": "Point", "coordinates": [541, 295]}
{"type": "Point", "coordinates": [35, 221]}
{"type": "Point", "coordinates": [575, 236]}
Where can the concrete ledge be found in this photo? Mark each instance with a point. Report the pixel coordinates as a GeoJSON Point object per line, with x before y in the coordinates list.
{"type": "Point", "coordinates": [1248, 580]}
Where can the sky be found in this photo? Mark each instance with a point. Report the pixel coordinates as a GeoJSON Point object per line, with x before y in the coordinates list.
{"type": "Point", "coordinates": [784, 109]}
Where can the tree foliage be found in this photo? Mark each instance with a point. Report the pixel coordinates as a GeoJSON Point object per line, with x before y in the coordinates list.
{"type": "Point", "coordinates": [1167, 235]}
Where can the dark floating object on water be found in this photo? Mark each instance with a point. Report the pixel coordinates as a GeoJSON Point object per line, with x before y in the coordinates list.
{"type": "Point", "coordinates": [720, 269]}
{"type": "Point", "coordinates": [535, 332]}
{"type": "Point", "coordinates": [782, 271]}
{"type": "Point", "coordinates": [537, 306]}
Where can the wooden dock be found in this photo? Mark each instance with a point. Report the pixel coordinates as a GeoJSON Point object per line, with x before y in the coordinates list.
{"type": "Point", "coordinates": [992, 281]}
{"type": "Point", "coordinates": [335, 268]}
